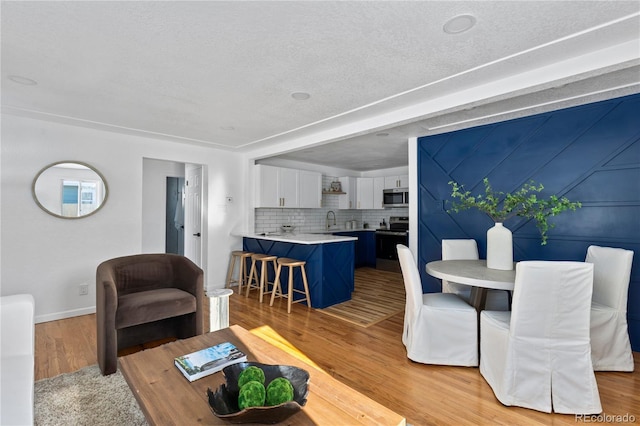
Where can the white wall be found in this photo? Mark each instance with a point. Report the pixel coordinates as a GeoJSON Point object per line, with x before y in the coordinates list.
{"type": "Point", "coordinates": [50, 257]}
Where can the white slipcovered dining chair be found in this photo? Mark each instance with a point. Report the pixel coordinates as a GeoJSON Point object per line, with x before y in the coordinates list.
{"type": "Point", "coordinates": [610, 346]}
{"type": "Point", "coordinates": [538, 355]}
{"type": "Point", "coordinates": [463, 249]}
{"type": "Point", "coordinates": [439, 328]}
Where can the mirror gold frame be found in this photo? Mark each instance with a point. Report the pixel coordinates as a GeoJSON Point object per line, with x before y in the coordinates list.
{"type": "Point", "coordinates": [48, 189]}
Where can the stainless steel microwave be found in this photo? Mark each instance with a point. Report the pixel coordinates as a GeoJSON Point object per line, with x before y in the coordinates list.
{"type": "Point", "coordinates": [396, 197]}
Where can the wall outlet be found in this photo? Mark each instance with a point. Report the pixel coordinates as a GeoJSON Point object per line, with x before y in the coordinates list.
{"type": "Point", "coordinates": [84, 289]}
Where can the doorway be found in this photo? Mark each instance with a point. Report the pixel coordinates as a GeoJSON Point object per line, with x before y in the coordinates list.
{"type": "Point", "coordinates": [159, 201]}
{"type": "Point", "coordinates": [174, 218]}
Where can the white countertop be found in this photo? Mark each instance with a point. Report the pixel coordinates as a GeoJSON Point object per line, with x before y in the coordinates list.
{"type": "Point", "coordinates": [303, 238]}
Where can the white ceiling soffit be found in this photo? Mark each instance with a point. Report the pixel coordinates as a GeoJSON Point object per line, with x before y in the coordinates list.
{"type": "Point", "coordinates": [221, 74]}
{"type": "Point", "coordinates": [387, 148]}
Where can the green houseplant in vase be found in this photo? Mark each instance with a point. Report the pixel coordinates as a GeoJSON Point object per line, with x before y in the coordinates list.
{"type": "Point", "coordinates": [500, 207]}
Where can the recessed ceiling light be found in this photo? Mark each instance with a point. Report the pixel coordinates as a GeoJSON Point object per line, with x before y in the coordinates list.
{"type": "Point", "coordinates": [227, 128]}
{"type": "Point", "coordinates": [382, 134]}
{"type": "Point", "coordinates": [22, 80]}
{"type": "Point", "coordinates": [459, 24]}
{"type": "Point", "coordinates": [300, 96]}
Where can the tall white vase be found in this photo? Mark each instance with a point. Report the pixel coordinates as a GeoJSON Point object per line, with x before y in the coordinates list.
{"type": "Point", "coordinates": [499, 248]}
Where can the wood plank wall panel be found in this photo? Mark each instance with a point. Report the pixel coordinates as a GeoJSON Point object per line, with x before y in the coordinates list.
{"type": "Point", "coordinates": [589, 153]}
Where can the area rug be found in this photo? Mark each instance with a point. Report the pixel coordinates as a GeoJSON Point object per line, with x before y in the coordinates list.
{"type": "Point", "coordinates": [378, 295]}
{"type": "Point", "coordinates": [85, 397]}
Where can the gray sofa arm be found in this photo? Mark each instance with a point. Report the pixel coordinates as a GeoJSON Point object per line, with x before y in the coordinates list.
{"type": "Point", "coordinates": [107, 298]}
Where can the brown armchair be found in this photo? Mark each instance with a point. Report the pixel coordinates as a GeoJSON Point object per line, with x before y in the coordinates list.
{"type": "Point", "coordinates": [145, 297]}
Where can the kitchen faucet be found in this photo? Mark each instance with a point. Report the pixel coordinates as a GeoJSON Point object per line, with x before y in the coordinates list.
{"type": "Point", "coordinates": [334, 219]}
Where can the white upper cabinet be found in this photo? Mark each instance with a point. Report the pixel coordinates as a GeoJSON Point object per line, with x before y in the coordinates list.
{"type": "Point", "coordinates": [288, 188]}
{"type": "Point", "coordinates": [364, 193]}
{"type": "Point", "coordinates": [349, 200]}
{"type": "Point", "coordinates": [309, 189]}
{"type": "Point", "coordinates": [378, 187]}
{"type": "Point", "coordinates": [391, 182]}
{"type": "Point", "coordinates": [369, 193]}
{"type": "Point", "coordinates": [276, 186]}
{"type": "Point", "coordinates": [267, 189]}
{"type": "Point", "coordinates": [281, 187]}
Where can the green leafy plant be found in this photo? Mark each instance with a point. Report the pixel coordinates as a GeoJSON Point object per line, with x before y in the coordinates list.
{"type": "Point", "coordinates": [524, 203]}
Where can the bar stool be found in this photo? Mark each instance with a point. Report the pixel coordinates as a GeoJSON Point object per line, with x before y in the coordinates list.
{"type": "Point", "coordinates": [243, 275]}
{"type": "Point", "coordinates": [277, 288]}
{"type": "Point", "coordinates": [260, 281]}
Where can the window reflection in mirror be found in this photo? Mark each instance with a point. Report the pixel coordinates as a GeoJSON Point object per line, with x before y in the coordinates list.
{"type": "Point", "coordinates": [69, 189]}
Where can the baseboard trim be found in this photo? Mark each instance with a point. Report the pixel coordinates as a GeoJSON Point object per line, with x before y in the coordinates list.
{"type": "Point", "coordinates": [65, 314]}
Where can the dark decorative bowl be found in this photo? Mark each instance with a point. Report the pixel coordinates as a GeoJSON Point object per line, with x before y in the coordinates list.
{"type": "Point", "coordinates": [224, 401]}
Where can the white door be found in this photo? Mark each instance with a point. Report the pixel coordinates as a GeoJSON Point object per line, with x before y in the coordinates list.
{"type": "Point", "coordinates": [193, 214]}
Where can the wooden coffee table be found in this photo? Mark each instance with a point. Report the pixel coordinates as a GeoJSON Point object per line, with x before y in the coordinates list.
{"type": "Point", "coordinates": [167, 398]}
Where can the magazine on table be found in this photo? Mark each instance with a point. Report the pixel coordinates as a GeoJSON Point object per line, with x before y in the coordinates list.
{"type": "Point", "coordinates": [209, 360]}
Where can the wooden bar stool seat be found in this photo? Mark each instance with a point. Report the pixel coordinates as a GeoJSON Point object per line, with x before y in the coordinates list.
{"type": "Point", "coordinates": [243, 272]}
{"type": "Point", "coordinates": [277, 288]}
{"type": "Point", "coordinates": [259, 280]}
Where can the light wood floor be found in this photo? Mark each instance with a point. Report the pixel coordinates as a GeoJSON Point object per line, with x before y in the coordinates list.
{"type": "Point", "coordinates": [371, 360]}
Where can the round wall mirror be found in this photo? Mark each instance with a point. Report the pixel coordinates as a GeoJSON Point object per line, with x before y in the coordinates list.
{"type": "Point", "coordinates": [69, 189]}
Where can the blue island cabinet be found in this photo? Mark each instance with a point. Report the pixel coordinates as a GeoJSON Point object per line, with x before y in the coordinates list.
{"type": "Point", "coordinates": [330, 267]}
{"type": "Point", "coordinates": [365, 247]}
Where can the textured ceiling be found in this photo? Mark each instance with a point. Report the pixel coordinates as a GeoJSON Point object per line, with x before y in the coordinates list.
{"type": "Point", "coordinates": [222, 73]}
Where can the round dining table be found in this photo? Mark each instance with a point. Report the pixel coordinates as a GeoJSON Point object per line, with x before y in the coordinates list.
{"type": "Point", "coordinates": [475, 274]}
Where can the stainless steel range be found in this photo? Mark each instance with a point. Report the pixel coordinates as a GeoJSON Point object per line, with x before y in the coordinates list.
{"type": "Point", "coordinates": [386, 241]}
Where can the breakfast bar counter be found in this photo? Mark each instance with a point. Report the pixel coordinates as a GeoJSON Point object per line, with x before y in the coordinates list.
{"type": "Point", "coordinates": [330, 262]}
{"type": "Point", "coordinates": [317, 238]}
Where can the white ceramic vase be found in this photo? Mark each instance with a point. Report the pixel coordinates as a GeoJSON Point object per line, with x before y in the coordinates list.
{"type": "Point", "coordinates": [499, 248]}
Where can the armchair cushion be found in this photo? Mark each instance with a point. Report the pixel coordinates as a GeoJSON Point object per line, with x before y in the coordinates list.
{"type": "Point", "coordinates": [153, 305]}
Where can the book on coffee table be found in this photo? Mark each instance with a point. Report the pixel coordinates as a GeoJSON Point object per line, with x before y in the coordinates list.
{"type": "Point", "coordinates": [208, 361]}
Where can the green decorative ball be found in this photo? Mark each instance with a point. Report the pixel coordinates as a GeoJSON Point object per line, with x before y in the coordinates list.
{"type": "Point", "coordinates": [279, 390]}
{"type": "Point", "coordinates": [251, 373]}
{"type": "Point", "coordinates": [252, 394]}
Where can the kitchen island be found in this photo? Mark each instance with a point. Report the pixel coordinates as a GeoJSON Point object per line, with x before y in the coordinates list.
{"type": "Point", "coordinates": [330, 262]}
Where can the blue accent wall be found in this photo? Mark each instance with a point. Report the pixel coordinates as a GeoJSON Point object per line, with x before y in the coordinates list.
{"type": "Point", "coordinates": [589, 153]}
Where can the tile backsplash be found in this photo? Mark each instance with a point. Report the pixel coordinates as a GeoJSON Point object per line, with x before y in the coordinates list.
{"type": "Point", "coordinates": [314, 220]}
